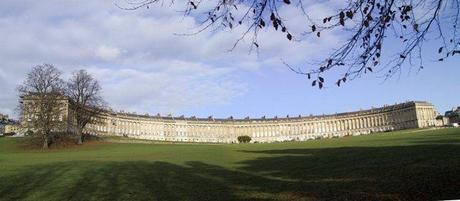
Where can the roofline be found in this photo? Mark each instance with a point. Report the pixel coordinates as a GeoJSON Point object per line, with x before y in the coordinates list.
{"type": "Point", "coordinates": [300, 117]}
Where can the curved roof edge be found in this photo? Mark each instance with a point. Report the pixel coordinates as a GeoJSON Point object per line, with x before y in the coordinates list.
{"type": "Point", "coordinates": [210, 118]}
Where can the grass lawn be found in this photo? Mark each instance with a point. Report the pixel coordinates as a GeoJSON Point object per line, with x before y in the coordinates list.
{"type": "Point", "coordinates": [404, 165]}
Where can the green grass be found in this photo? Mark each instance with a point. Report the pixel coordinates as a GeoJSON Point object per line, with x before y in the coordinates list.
{"type": "Point", "coordinates": [404, 165]}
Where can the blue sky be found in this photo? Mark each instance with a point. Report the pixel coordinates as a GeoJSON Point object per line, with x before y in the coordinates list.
{"type": "Point", "coordinates": [145, 68]}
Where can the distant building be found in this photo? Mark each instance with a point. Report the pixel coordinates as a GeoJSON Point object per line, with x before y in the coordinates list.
{"type": "Point", "coordinates": [413, 114]}
{"type": "Point", "coordinates": [442, 120]}
{"type": "Point", "coordinates": [63, 117]}
{"type": "Point", "coordinates": [8, 125]}
{"type": "Point", "coordinates": [3, 117]}
{"type": "Point", "coordinates": [12, 128]}
{"type": "Point", "coordinates": [453, 115]}
{"type": "Point", "coordinates": [3, 122]}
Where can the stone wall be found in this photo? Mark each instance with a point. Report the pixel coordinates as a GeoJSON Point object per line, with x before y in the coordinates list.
{"type": "Point", "coordinates": [414, 114]}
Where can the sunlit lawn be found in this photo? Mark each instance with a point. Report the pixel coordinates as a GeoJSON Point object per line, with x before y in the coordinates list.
{"type": "Point", "coordinates": [405, 165]}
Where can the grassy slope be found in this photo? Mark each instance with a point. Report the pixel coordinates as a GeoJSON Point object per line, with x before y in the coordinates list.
{"type": "Point", "coordinates": [405, 165]}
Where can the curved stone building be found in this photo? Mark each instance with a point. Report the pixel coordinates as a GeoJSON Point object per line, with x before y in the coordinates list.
{"type": "Point", "coordinates": [414, 114]}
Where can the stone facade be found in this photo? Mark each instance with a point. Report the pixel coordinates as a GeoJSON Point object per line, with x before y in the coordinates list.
{"type": "Point", "coordinates": [414, 114]}
{"type": "Point", "coordinates": [6, 124]}
{"type": "Point", "coordinates": [12, 128]}
{"type": "Point", "coordinates": [63, 116]}
{"type": "Point", "coordinates": [453, 115]}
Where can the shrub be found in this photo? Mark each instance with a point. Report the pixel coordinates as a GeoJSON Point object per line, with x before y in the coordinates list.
{"type": "Point", "coordinates": [9, 134]}
{"type": "Point", "coordinates": [89, 137]}
{"type": "Point", "coordinates": [29, 133]}
{"type": "Point", "coordinates": [244, 139]}
{"type": "Point", "coordinates": [55, 139]}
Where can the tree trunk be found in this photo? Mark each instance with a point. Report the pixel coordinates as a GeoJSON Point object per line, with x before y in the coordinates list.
{"type": "Point", "coordinates": [45, 142]}
{"type": "Point", "coordinates": [79, 136]}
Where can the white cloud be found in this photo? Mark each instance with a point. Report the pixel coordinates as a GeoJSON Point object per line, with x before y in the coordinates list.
{"type": "Point", "coordinates": [179, 85]}
{"type": "Point", "coordinates": [142, 65]}
{"type": "Point", "coordinates": [107, 53]}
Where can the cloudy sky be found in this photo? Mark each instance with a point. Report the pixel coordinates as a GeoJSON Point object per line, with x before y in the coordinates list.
{"type": "Point", "coordinates": [146, 66]}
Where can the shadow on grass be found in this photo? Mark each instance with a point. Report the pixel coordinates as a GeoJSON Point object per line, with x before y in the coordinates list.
{"type": "Point", "coordinates": [423, 172]}
{"type": "Point", "coordinates": [419, 172]}
{"type": "Point", "coordinates": [445, 136]}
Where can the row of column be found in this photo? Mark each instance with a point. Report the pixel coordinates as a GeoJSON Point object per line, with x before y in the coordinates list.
{"type": "Point", "coordinates": [230, 130]}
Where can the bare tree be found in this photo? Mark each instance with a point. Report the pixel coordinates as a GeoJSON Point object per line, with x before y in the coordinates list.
{"type": "Point", "coordinates": [84, 93]}
{"type": "Point", "coordinates": [42, 101]}
{"type": "Point", "coordinates": [369, 25]}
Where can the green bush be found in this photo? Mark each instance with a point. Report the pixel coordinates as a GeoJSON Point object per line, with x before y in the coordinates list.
{"type": "Point", "coordinates": [9, 134]}
{"type": "Point", "coordinates": [244, 139]}
{"type": "Point", "coordinates": [29, 133]}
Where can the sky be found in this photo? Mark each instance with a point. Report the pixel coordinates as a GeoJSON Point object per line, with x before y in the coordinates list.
{"type": "Point", "coordinates": [145, 65]}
